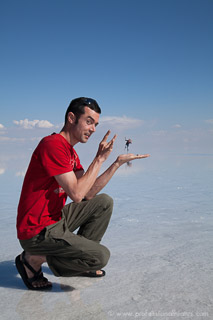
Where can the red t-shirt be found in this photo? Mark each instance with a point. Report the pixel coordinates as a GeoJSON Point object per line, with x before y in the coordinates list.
{"type": "Point", "coordinates": [42, 198]}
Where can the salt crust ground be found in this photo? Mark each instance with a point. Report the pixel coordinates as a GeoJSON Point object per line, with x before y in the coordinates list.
{"type": "Point", "coordinates": [161, 264]}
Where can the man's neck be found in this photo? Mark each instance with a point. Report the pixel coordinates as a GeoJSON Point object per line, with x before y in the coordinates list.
{"type": "Point", "coordinates": [66, 134]}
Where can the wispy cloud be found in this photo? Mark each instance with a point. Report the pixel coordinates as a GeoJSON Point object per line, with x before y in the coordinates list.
{"type": "Point", "coordinates": [2, 170]}
{"type": "Point", "coordinates": [209, 121]}
{"type": "Point", "coordinates": [13, 139]}
{"type": "Point", "coordinates": [30, 124]}
{"type": "Point", "coordinates": [20, 173]}
{"type": "Point", "coordinates": [121, 122]}
{"type": "Point", "coordinates": [2, 129]}
{"type": "Point", "coordinates": [177, 126]}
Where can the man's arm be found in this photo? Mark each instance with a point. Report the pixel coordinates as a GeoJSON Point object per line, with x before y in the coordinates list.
{"type": "Point", "coordinates": [77, 188]}
{"type": "Point", "coordinates": [103, 179]}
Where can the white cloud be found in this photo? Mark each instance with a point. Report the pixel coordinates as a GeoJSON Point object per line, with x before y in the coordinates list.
{"type": "Point", "coordinates": [4, 138]}
{"type": "Point", "coordinates": [121, 122]}
{"type": "Point", "coordinates": [177, 126]}
{"type": "Point", "coordinates": [2, 170]}
{"type": "Point", "coordinates": [19, 139]}
{"type": "Point", "coordinates": [12, 139]}
{"type": "Point", "coordinates": [20, 174]}
{"type": "Point", "coordinates": [2, 129]}
{"type": "Point", "coordinates": [210, 121]}
{"type": "Point", "coordinates": [30, 124]}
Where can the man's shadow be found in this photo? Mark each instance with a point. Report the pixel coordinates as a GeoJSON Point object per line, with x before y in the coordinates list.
{"type": "Point", "coordinates": [9, 277]}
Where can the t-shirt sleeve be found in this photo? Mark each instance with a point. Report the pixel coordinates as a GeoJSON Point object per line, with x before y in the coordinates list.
{"type": "Point", "coordinates": [55, 158]}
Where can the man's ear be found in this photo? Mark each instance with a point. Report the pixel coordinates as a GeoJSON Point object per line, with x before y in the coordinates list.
{"type": "Point", "coordinates": [71, 117]}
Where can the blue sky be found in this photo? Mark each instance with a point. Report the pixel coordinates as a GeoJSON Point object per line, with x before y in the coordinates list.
{"type": "Point", "coordinates": [148, 64]}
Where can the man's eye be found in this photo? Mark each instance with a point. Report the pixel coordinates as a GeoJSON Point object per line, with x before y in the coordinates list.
{"type": "Point", "coordinates": [89, 122]}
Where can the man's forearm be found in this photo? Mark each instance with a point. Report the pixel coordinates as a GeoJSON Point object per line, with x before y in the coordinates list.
{"type": "Point", "coordinates": [102, 180]}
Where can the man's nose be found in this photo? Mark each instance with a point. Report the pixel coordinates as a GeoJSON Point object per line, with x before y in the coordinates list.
{"type": "Point", "coordinates": [93, 128]}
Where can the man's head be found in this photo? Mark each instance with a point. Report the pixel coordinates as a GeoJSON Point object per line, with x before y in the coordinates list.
{"type": "Point", "coordinates": [81, 119]}
{"type": "Point", "coordinates": [77, 107]}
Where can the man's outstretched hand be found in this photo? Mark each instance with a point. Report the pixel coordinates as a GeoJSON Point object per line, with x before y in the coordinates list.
{"type": "Point", "coordinates": [124, 158]}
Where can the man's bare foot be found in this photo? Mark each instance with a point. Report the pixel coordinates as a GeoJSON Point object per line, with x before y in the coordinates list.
{"type": "Point", "coordinates": [35, 262]}
{"type": "Point", "coordinates": [99, 272]}
{"type": "Point", "coordinates": [93, 274]}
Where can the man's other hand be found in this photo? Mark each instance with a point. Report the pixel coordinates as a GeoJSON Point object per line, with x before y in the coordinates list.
{"type": "Point", "coordinates": [124, 158]}
{"type": "Point", "coordinates": [105, 148]}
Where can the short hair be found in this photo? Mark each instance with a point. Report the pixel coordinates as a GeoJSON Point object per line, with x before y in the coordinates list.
{"type": "Point", "coordinates": [77, 106]}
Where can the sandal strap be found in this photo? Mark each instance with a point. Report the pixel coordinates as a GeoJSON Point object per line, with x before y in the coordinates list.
{"type": "Point", "coordinates": [33, 279]}
{"type": "Point", "coordinates": [36, 273]}
{"type": "Point", "coordinates": [39, 277]}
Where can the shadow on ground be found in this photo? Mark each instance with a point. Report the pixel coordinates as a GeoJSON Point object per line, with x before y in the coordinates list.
{"type": "Point", "coordinates": [9, 277]}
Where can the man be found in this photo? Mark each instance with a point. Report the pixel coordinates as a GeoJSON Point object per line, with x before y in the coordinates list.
{"type": "Point", "coordinates": [128, 142]}
{"type": "Point", "coordinates": [45, 225]}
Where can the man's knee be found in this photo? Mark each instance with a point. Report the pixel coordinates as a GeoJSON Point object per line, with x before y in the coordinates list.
{"type": "Point", "coordinates": [104, 256]}
{"type": "Point", "coordinates": [105, 200]}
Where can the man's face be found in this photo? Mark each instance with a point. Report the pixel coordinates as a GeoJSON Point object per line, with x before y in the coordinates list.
{"type": "Point", "coordinates": [86, 125]}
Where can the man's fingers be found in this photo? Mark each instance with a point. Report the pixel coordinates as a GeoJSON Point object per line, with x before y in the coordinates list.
{"type": "Point", "coordinates": [106, 136]}
{"type": "Point", "coordinates": [140, 156]}
{"type": "Point", "coordinates": [113, 139]}
{"type": "Point", "coordinates": [115, 136]}
{"type": "Point", "coordinates": [111, 142]}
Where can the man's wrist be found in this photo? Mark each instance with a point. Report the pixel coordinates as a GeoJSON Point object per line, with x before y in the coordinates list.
{"type": "Point", "coordinates": [99, 160]}
{"type": "Point", "coordinates": [116, 164]}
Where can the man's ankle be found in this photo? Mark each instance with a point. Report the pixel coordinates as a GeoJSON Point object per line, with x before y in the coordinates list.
{"type": "Point", "coordinates": [35, 259]}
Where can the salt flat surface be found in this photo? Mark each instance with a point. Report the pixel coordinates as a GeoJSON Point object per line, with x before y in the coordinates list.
{"type": "Point", "coordinates": [161, 244]}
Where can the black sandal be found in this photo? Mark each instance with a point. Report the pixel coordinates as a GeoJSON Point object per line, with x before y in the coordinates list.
{"type": "Point", "coordinates": [38, 275]}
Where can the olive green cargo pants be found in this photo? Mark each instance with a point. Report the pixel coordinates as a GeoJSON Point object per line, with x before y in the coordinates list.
{"type": "Point", "coordinates": [70, 254]}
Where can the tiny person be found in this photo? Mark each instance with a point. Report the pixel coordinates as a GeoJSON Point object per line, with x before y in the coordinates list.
{"type": "Point", "coordinates": [128, 142]}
